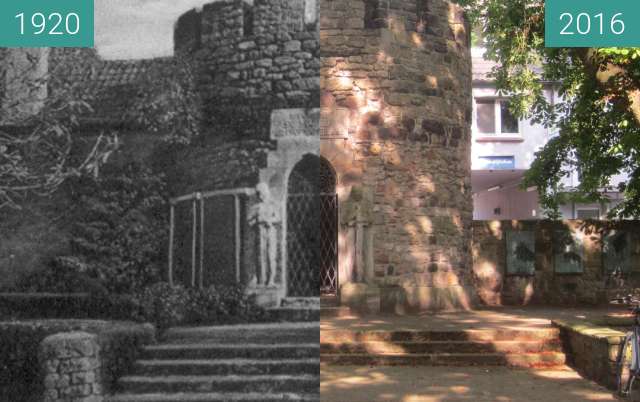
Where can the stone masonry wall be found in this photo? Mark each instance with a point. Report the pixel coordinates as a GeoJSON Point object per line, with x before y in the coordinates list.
{"type": "Point", "coordinates": [546, 285]}
{"type": "Point", "coordinates": [71, 365]}
{"type": "Point", "coordinates": [266, 53]}
{"type": "Point", "coordinates": [396, 110]}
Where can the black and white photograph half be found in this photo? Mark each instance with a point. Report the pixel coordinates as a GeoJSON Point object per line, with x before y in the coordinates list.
{"type": "Point", "coordinates": [167, 224]}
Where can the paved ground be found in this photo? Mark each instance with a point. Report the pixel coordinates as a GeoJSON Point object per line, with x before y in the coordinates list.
{"type": "Point", "coordinates": [496, 318]}
{"type": "Point", "coordinates": [483, 384]}
{"type": "Point", "coordinates": [440, 384]}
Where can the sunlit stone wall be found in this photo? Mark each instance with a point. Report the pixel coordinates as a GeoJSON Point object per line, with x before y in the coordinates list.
{"type": "Point", "coordinates": [396, 115]}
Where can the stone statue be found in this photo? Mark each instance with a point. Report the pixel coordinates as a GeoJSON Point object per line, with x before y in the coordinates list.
{"type": "Point", "coordinates": [264, 215]}
{"type": "Point", "coordinates": [357, 214]}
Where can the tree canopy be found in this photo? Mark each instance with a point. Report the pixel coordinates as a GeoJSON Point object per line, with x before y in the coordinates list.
{"type": "Point", "coordinates": [598, 119]}
{"type": "Point", "coordinates": [39, 116]}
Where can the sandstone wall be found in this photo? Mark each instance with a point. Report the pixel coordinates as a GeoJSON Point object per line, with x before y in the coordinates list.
{"type": "Point", "coordinates": [256, 64]}
{"type": "Point", "coordinates": [546, 285]}
{"type": "Point", "coordinates": [263, 56]}
{"type": "Point", "coordinates": [396, 110]}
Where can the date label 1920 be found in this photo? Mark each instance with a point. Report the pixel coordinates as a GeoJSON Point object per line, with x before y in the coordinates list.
{"type": "Point", "coordinates": [592, 23]}
{"type": "Point", "coordinates": [46, 23]}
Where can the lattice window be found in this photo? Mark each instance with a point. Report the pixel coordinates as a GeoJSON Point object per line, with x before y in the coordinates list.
{"type": "Point", "coordinates": [327, 178]}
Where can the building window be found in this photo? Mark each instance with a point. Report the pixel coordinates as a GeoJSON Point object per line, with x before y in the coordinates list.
{"type": "Point", "coordinates": [494, 118]}
{"type": "Point", "coordinates": [588, 213]}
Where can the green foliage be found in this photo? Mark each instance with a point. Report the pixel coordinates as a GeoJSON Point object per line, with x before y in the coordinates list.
{"type": "Point", "coordinates": [598, 120]}
{"type": "Point", "coordinates": [166, 306]}
{"type": "Point", "coordinates": [169, 104]}
{"type": "Point", "coordinates": [163, 305]}
{"type": "Point", "coordinates": [523, 253]}
{"type": "Point", "coordinates": [63, 275]}
{"type": "Point", "coordinates": [120, 230]}
{"type": "Point", "coordinates": [20, 370]}
{"type": "Point", "coordinates": [39, 146]}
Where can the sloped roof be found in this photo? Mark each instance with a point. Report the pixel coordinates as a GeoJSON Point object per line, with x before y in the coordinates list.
{"type": "Point", "coordinates": [114, 86]}
{"type": "Point", "coordinates": [114, 73]}
{"type": "Point", "coordinates": [481, 69]}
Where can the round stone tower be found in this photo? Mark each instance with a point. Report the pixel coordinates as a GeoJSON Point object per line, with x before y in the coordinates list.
{"type": "Point", "coordinates": [250, 58]}
{"type": "Point", "coordinates": [256, 65]}
{"type": "Point", "coordinates": [396, 130]}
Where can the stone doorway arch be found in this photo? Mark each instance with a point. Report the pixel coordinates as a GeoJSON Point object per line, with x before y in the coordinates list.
{"type": "Point", "coordinates": [312, 223]}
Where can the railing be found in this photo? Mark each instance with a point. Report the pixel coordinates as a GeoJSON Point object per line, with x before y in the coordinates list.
{"type": "Point", "coordinates": [198, 232]}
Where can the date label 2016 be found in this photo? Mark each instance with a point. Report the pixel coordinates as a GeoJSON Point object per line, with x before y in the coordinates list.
{"type": "Point", "coordinates": [46, 23]}
{"type": "Point", "coordinates": [592, 23]}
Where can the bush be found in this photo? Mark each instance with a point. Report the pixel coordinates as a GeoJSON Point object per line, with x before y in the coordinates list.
{"type": "Point", "coordinates": [20, 375]}
{"type": "Point", "coordinates": [121, 226]}
{"type": "Point", "coordinates": [163, 304]}
{"type": "Point", "coordinates": [166, 306]}
{"type": "Point", "coordinates": [63, 275]}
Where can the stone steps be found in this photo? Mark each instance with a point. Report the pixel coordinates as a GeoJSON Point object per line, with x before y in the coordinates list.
{"type": "Point", "coordinates": [279, 333]}
{"type": "Point", "coordinates": [528, 360]}
{"type": "Point", "coordinates": [214, 397]}
{"type": "Point", "coordinates": [336, 312]}
{"type": "Point", "coordinates": [262, 362]}
{"type": "Point", "coordinates": [230, 367]}
{"type": "Point", "coordinates": [307, 384]}
{"type": "Point", "coordinates": [527, 348]}
{"type": "Point", "coordinates": [433, 347]}
{"type": "Point", "coordinates": [331, 308]}
{"type": "Point", "coordinates": [294, 314]}
{"type": "Point", "coordinates": [488, 335]}
{"type": "Point", "coordinates": [227, 351]}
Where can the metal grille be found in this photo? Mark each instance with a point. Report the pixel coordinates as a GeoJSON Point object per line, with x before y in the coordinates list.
{"type": "Point", "coordinates": [205, 237]}
{"type": "Point", "coordinates": [329, 244]}
{"type": "Point", "coordinates": [312, 229]}
{"type": "Point", "coordinates": [303, 245]}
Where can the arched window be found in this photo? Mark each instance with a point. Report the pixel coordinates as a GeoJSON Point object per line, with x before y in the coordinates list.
{"type": "Point", "coordinates": [327, 177]}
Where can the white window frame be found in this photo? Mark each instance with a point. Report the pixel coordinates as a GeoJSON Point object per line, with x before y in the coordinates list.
{"type": "Point", "coordinates": [497, 119]}
{"type": "Point", "coordinates": [578, 209]}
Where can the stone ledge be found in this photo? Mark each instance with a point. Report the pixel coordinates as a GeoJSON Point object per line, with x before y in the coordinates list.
{"type": "Point", "coordinates": [591, 349]}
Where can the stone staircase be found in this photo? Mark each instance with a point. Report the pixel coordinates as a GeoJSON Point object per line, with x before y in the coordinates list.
{"type": "Point", "coordinates": [527, 348]}
{"type": "Point", "coordinates": [331, 308]}
{"type": "Point", "coordinates": [262, 362]}
{"type": "Point", "coordinates": [296, 309]}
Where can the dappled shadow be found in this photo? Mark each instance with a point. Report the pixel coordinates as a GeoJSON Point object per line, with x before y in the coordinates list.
{"type": "Point", "coordinates": [488, 318]}
{"type": "Point", "coordinates": [436, 384]}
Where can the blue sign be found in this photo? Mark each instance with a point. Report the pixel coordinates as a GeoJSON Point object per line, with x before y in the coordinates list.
{"type": "Point", "coordinates": [496, 163]}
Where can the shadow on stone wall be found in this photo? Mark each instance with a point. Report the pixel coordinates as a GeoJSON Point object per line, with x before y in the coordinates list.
{"type": "Point", "coordinates": [574, 262]}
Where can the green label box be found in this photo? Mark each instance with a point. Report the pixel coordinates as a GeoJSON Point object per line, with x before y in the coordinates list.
{"type": "Point", "coordinates": [592, 23]}
{"type": "Point", "coordinates": [46, 23]}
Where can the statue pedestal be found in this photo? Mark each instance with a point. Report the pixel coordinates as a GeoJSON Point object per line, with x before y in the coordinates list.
{"type": "Point", "coordinates": [362, 298]}
{"type": "Point", "coordinates": [416, 299]}
{"type": "Point", "coordinates": [266, 296]}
